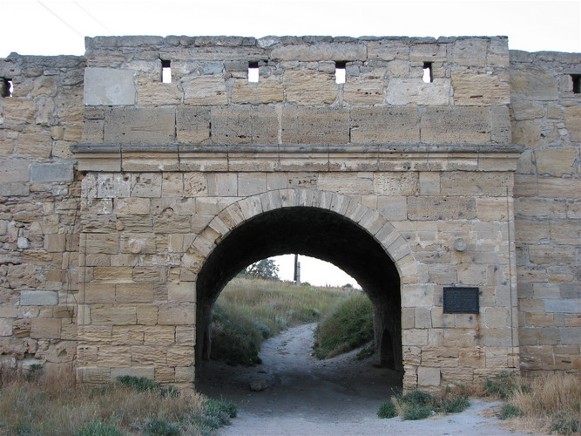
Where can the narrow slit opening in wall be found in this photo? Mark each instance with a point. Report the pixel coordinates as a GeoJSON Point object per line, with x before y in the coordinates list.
{"type": "Point", "coordinates": [165, 71]}
{"type": "Point", "coordinates": [428, 76]}
{"type": "Point", "coordinates": [576, 83]}
{"type": "Point", "coordinates": [253, 72]}
{"type": "Point", "coordinates": [6, 87]}
{"type": "Point", "coordinates": [340, 72]}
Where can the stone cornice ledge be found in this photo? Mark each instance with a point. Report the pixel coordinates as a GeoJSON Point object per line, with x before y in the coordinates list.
{"type": "Point", "coordinates": [303, 157]}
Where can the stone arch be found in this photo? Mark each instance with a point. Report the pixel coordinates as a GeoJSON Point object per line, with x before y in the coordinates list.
{"type": "Point", "coordinates": [213, 256]}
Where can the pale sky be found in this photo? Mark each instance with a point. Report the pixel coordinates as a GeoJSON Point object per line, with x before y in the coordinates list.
{"type": "Point", "coordinates": [53, 27]}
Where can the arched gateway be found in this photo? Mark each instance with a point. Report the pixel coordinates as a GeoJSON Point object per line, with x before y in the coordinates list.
{"type": "Point", "coordinates": [326, 225]}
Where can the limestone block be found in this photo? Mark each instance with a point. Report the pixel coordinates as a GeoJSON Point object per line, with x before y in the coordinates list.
{"type": "Point", "coordinates": [102, 243]}
{"type": "Point", "coordinates": [140, 126]}
{"type": "Point", "coordinates": [127, 335]}
{"type": "Point", "coordinates": [108, 315]}
{"type": "Point", "coordinates": [417, 295]}
{"type": "Point", "coordinates": [182, 291]}
{"type": "Point", "coordinates": [470, 52]}
{"type": "Point", "coordinates": [109, 87]}
{"type": "Point", "coordinates": [346, 183]}
{"type": "Point", "coordinates": [556, 161]}
{"type": "Point", "coordinates": [244, 125]}
{"type": "Point", "coordinates": [193, 124]}
{"type": "Point", "coordinates": [572, 124]}
{"type": "Point", "coordinates": [146, 185]}
{"type": "Point", "coordinates": [38, 298]}
{"type": "Point", "coordinates": [388, 50]}
{"type": "Point", "coordinates": [395, 183]}
{"type": "Point", "coordinates": [560, 305]}
{"type": "Point", "coordinates": [480, 89]}
{"type": "Point", "coordinates": [161, 336]}
{"type": "Point", "coordinates": [222, 184]}
{"type": "Point", "coordinates": [95, 334]}
{"type": "Point", "coordinates": [156, 93]}
{"type": "Point", "coordinates": [471, 358]}
{"type": "Point", "coordinates": [14, 170]}
{"type": "Point", "coordinates": [550, 255]}
{"type": "Point", "coordinates": [309, 87]}
{"type": "Point", "coordinates": [134, 293]}
{"type": "Point", "coordinates": [185, 336]}
{"type": "Point", "coordinates": [415, 337]}
{"type": "Point", "coordinates": [365, 89]}
{"type": "Point", "coordinates": [315, 126]}
{"type": "Point", "coordinates": [177, 314]}
{"type": "Point", "coordinates": [393, 208]}
{"type": "Point", "coordinates": [6, 328]}
{"type": "Point", "coordinates": [429, 183]}
{"type": "Point", "coordinates": [497, 337]}
{"type": "Point", "coordinates": [424, 208]}
{"type": "Point", "coordinates": [45, 328]}
{"type": "Point", "coordinates": [180, 356]}
{"type": "Point", "coordinates": [440, 357]}
{"type": "Point", "coordinates": [184, 374]}
{"type": "Point", "coordinates": [462, 338]}
{"type": "Point", "coordinates": [527, 110]}
{"type": "Point", "coordinates": [205, 90]}
{"type": "Point", "coordinates": [146, 315]}
{"type": "Point", "coordinates": [456, 125]}
{"type": "Point", "coordinates": [379, 125]}
{"type": "Point", "coordinates": [320, 52]}
{"type": "Point", "coordinates": [267, 90]}
{"type": "Point", "coordinates": [534, 83]}
{"type": "Point", "coordinates": [401, 92]}
{"type": "Point", "coordinates": [132, 206]}
{"type": "Point", "coordinates": [148, 355]}
{"type": "Point", "coordinates": [477, 183]}
{"type": "Point", "coordinates": [113, 355]}
{"type": "Point", "coordinates": [53, 172]}
{"type": "Point", "coordinates": [112, 185]}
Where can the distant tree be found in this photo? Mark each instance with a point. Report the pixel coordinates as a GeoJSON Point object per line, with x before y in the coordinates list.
{"type": "Point", "coordinates": [265, 269]}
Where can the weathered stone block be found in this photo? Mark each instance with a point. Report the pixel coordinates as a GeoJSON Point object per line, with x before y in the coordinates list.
{"type": "Point", "coordinates": [480, 89]}
{"type": "Point", "coordinates": [237, 125]}
{"type": "Point", "coordinates": [365, 89]}
{"type": "Point", "coordinates": [532, 82]}
{"type": "Point", "coordinates": [109, 87]}
{"type": "Point", "coordinates": [177, 314]}
{"type": "Point", "coordinates": [320, 52]}
{"type": "Point", "coordinates": [457, 125]}
{"type": "Point", "coordinates": [309, 87]}
{"type": "Point", "coordinates": [266, 90]}
{"type": "Point", "coordinates": [155, 126]}
{"type": "Point", "coordinates": [193, 124]}
{"type": "Point", "coordinates": [108, 315]}
{"type": "Point", "coordinates": [134, 293]}
{"type": "Point", "coordinates": [205, 90]}
{"type": "Point", "coordinates": [38, 298]}
{"type": "Point", "coordinates": [53, 172]}
{"type": "Point", "coordinates": [379, 125]}
{"type": "Point", "coordinates": [401, 92]}
{"type": "Point", "coordinates": [556, 161]}
{"type": "Point", "coordinates": [45, 328]}
{"type": "Point", "coordinates": [470, 52]}
{"type": "Point", "coordinates": [314, 126]}
{"type": "Point", "coordinates": [423, 208]}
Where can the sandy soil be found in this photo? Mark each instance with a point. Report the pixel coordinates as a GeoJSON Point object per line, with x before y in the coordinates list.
{"type": "Point", "coordinates": [305, 396]}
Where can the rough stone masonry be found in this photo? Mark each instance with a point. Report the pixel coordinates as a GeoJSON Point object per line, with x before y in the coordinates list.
{"type": "Point", "coordinates": [440, 167]}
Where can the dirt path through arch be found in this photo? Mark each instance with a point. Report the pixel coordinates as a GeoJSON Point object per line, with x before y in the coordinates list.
{"type": "Point", "coordinates": [339, 396]}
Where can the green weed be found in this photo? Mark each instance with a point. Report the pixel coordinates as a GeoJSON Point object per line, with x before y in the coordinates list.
{"type": "Point", "coordinates": [349, 326]}
{"type": "Point", "coordinates": [509, 411]}
{"type": "Point", "coordinates": [98, 428]}
{"type": "Point", "coordinates": [387, 410]}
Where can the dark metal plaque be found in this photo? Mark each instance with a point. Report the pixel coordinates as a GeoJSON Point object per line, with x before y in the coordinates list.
{"type": "Point", "coordinates": [461, 300]}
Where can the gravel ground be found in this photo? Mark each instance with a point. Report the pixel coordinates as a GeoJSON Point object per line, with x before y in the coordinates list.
{"type": "Point", "coordinates": [300, 395]}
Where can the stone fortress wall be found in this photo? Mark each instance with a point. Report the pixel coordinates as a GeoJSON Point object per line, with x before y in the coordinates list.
{"type": "Point", "coordinates": [117, 188]}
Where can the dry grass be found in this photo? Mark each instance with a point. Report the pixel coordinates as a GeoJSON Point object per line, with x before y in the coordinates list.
{"type": "Point", "coordinates": [45, 406]}
{"type": "Point", "coordinates": [550, 403]}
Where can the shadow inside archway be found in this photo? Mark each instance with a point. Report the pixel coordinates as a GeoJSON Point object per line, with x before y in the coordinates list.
{"type": "Point", "coordinates": [328, 236]}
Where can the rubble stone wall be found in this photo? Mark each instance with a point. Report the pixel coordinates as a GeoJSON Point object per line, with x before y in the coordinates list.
{"type": "Point", "coordinates": [160, 173]}
{"type": "Point", "coordinates": [39, 209]}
